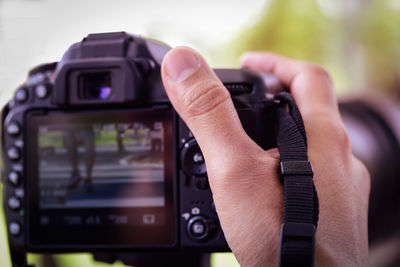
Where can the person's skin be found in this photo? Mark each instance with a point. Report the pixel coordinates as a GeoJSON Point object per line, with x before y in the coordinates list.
{"type": "Point", "coordinates": [244, 178]}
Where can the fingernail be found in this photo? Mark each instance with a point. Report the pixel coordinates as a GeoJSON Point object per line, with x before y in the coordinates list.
{"type": "Point", "coordinates": [180, 64]}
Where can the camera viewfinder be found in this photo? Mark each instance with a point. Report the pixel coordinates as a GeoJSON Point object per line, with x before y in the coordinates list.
{"type": "Point", "coordinates": [95, 86]}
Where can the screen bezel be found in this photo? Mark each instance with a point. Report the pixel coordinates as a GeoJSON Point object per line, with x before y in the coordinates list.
{"type": "Point", "coordinates": [100, 236]}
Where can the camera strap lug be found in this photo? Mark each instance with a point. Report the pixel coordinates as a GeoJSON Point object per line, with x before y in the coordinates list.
{"type": "Point", "coordinates": [301, 207]}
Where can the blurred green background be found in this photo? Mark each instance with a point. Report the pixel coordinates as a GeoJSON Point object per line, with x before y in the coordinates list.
{"type": "Point", "coordinates": [357, 41]}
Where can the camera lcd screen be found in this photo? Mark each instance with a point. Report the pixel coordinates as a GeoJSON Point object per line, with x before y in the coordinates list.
{"type": "Point", "coordinates": [110, 172]}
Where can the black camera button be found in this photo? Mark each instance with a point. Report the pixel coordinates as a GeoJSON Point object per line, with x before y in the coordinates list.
{"type": "Point", "coordinates": [13, 128]}
{"type": "Point", "coordinates": [41, 91]}
{"type": "Point", "coordinates": [192, 159]}
{"type": "Point", "coordinates": [19, 192]}
{"type": "Point", "coordinates": [14, 228]}
{"type": "Point", "coordinates": [14, 153]}
{"type": "Point", "coordinates": [200, 228]}
{"type": "Point", "coordinates": [200, 182]}
{"type": "Point", "coordinates": [14, 178]}
{"type": "Point", "coordinates": [21, 95]}
{"type": "Point", "coordinates": [14, 203]}
{"type": "Point", "coordinates": [198, 158]}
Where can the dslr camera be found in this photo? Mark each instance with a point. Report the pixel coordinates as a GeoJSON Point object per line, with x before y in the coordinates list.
{"type": "Point", "coordinates": [96, 159]}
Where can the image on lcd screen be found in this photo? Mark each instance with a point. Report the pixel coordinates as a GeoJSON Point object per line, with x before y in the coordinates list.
{"type": "Point", "coordinates": [89, 165]}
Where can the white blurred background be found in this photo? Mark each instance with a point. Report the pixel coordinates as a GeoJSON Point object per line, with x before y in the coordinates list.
{"type": "Point", "coordinates": [38, 31]}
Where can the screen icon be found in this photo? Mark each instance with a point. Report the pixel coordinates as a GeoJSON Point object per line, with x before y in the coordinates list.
{"type": "Point", "coordinates": [149, 219]}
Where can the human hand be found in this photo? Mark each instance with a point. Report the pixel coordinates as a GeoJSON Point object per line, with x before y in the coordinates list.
{"type": "Point", "coordinates": [243, 177]}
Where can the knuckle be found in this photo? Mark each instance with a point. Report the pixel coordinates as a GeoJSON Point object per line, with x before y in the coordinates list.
{"type": "Point", "coordinates": [203, 97]}
{"type": "Point", "coordinates": [361, 179]}
{"type": "Point", "coordinates": [316, 69]}
{"type": "Point", "coordinates": [344, 139]}
{"type": "Point", "coordinates": [340, 137]}
{"type": "Point", "coordinates": [330, 131]}
{"type": "Point", "coordinates": [365, 178]}
{"type": "Point", "coordinates": [365, 175]}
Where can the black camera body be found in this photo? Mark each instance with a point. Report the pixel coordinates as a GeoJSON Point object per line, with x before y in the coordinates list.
{"type": "Point", "coordinates": [96, 159]}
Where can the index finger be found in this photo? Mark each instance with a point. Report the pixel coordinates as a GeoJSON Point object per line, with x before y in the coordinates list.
{"type": "Point", "coordinates": [309, 84]}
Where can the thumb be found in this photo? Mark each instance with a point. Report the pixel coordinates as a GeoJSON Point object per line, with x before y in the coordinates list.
{"type": "Point", "coordinates": [205, 105]}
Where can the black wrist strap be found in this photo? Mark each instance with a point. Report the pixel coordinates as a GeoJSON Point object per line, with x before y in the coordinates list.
{"type": "Point", "coordinates": [301, 201]}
